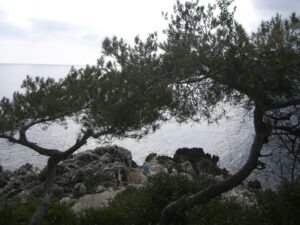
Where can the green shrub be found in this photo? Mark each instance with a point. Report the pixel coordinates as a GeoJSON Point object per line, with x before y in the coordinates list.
{"type": "Point", "coordinates": [217, 212]}
{"type": "Point", "coordinates": [20, 214]}
{"type": "Point", "coordinates": [281, 207]}
{"type": "Point", "coordinates": [143, 206]}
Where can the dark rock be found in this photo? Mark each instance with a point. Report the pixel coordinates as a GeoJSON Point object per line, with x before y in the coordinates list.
{"type": "Point", "coordinates": [86, 158]}
{"type": "Point", "coordinates": [3, 180]}
{"type": "Point", "coordinates": [188, 154]}
{"type": "Point", "coordinates": [167, 162]}
{"type": "Point", "coordinates": [206, 166]}
{"type": "Point", "coordinates": [215, 158]}
{"type": "Point", "coordinates": [134, 164]}
{"type": "Point", "coordinates": [79, 189]}
{"type": "Point", "coordinates": [186, 167]}
{"type": "Point", "coordinates": [254, 184]}
{"type": "Point", "coordinates": [150, 156]}
{"type": "Point", "coordinates": [27, 169]}
{"type": "Point", "coordinates": [202, 163]}
{"type": "Point", "coordinates": [163, 159]}
{"type": "Point", "coordinates": [16, 186]}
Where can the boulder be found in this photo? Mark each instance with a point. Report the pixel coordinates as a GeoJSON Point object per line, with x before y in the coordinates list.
{"type": "Point", "coordinates": [95, 200]}
{"type": "Point", "coordinates": [136, 177]}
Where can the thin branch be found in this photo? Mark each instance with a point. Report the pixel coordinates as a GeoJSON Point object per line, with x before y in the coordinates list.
{"type": "Point", "coordinates": [79, 143]}
{"type": "Point", "coordinates": [44, 120]}
{"type": "Point", "coordinates": [292, 102]}
{"type": "Point", "coordinates": [33, 146]}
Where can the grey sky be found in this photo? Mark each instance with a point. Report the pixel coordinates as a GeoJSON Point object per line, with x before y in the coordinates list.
{"type": "Point", "coordinates": [45, 29]}
{"type": "Point", "coordinates": [71, 31]}
{"type": "Point", "coordinates": [283, 6]}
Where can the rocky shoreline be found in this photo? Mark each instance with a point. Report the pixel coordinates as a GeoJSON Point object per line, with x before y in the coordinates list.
{"type": "Point", "coordinates": [92, 178]}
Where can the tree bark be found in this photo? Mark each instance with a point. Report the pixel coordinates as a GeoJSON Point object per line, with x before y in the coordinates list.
{"type": "Point", "coordinates": [262, 131]}
{"type": "Point", "coordinates": [48, 187]}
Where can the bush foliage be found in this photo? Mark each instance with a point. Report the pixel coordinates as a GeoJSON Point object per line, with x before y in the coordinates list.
{"type": "Point", "coordinates": [142, 206]}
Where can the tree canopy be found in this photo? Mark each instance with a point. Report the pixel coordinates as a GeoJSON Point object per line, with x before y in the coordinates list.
{"type": "Point", "coordinates": [206, 59]}
{"type": "Point", "coordinates": [105, 101]}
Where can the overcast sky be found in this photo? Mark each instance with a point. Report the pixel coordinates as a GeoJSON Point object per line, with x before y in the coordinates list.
{"type": "Point", "coordinates": [71, 31]}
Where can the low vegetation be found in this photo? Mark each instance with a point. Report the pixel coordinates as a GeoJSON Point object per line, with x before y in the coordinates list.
{"type": "Point", "coordinates": [143, 206]}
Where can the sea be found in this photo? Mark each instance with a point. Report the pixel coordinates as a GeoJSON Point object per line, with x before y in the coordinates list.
{"type": "Point", "coordinates": [230, 138]}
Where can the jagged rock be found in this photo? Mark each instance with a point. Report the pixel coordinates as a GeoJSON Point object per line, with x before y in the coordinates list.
{"type": "Point", "coordinates": [105, 169]}
{"type": "Point", "coordinates": [150, 156]}
{"type": "Point", "coordinates": [3, 181]}
{"type": "Point", "coordinates": [17, 186]}
{"type": "Point", "coordinates": [84, 159]}
{"type": "Point", "coordinates": [58, 190]}
{"type": "Point", "coordinates": [106, 166]}
{"type": "Point", "coordinates": [167, 162]}
{"type": "Point", "coordinates": [186, 167]}
{"type": "Point", "coordinates": [27, 169]}
{"type": "Point", "coordinates": [79, 189]}
{"type": "Point", "coordinates": [106, 158]}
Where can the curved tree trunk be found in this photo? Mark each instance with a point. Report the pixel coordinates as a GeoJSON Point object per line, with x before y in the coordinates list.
{"type": "Point", "coordinates": [262, 131]}
{"type": "Point", "coordinates": [48, 187]}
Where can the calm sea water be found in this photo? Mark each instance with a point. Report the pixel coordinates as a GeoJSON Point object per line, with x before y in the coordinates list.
{"type": "Point", "coordinates": [230, 139]}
